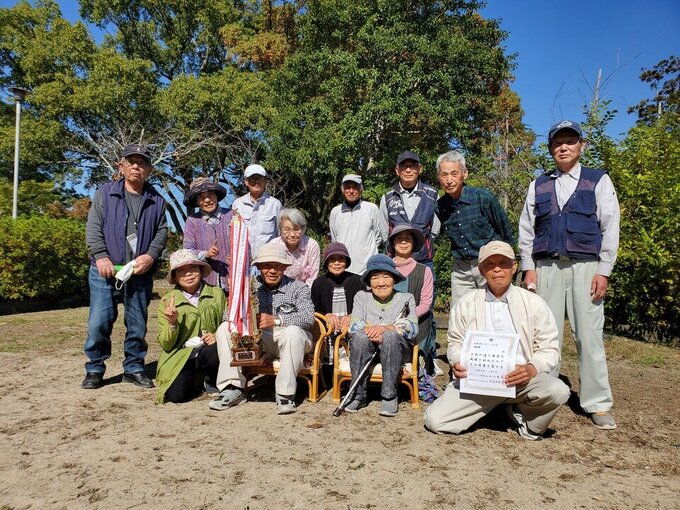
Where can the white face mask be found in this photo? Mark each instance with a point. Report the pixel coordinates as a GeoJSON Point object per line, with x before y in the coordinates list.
{"type": "Point", "coordinates": [124, 274]}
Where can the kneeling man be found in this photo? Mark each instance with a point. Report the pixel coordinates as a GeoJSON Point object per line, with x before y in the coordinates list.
{"type": "Point", "coordinates": [286, 319]}
{"type": "Point", "coordinates": [503, 308]}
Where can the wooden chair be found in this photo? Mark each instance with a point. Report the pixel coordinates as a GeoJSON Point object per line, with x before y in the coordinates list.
{"type": "Point", "coordinates": [311, 371]}
{"type": "Point", "coordinates": [342, 373]}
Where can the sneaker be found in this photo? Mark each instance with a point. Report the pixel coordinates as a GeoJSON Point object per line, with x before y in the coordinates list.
{"type": "Point", "coordinates": [603, 420]}
{"type": "Point", "coordinates": [138, 379]}
{"type": "Point", "coordinates": [229, 397]}
{"type": "Point", "coordinates": [355, 405]}
{"type": "Point", "coordinates": [517, 418]}
{"type": "Point", "coordinates": [93, 381]}
{"type": "Point", "coordinates": [285, 404]}
{"type": "Point", "coordinates": [389, 407]}
{"type": "Point", "coordinates": [209, 387]}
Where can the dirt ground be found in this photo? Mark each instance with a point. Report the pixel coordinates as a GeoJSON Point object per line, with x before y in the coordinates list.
{"type": "Point", "coordinates": [64, 447]}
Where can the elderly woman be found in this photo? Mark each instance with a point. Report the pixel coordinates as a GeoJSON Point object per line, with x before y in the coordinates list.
{"type": "Point", "coordinates": [382, 319]}
{"type": "Point", "coordinates": [207, 231]}
{"type": "Point", "coordinates": [303, 251]}
{"type": "Point", "coordinates": [188, 317]}
{"type": "Point", "coordinates": [404, 241]}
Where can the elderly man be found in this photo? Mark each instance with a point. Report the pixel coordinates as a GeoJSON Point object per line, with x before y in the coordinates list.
{"type": "Point", "coordinates": [356, 224]}
{"type": "Point", "coordinates": [411, 201]}
{"type": "Point", "coordinates": [126, 223]}
{"type": "Point", "coordinates": [568, 238]}
{"type": "Point", "coordinates": [286, 319]}
{"type": "Point", "coordinates": [470, 217]}
{"type": "Point", "coordinates": [258, 208]}
{"type": "Point", "coordinates": [503, 308]}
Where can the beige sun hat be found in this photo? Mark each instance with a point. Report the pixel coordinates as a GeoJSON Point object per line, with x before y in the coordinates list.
{"type": "Point", "coordinates": [272, 252]}
{"type": "Point", "coordinates": [185, 257]}
{"type": "Point", "coordinates": [496, 248]}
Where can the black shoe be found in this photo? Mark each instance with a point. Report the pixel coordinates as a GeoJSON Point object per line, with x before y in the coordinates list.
{"type": "Point", "coordinates": [138, 379]}
{"type": "Point", "coordinates": [93, 381]}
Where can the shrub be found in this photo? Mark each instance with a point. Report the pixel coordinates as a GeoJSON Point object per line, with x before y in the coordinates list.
{"type": "Point", "coordinates": [42, 257]}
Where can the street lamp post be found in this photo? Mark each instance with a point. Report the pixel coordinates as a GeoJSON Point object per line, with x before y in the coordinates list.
{"type": "Point", "coordinates": [19, 94]}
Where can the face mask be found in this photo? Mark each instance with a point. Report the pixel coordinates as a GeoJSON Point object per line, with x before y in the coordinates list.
{"type": "Point", "coordinates": [124, 274]}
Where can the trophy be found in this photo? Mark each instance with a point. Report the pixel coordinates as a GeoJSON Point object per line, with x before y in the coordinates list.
{"type": "Point", "coordinates": [243, 303]}
{"type": "Point", "coordinates": [245, 346]}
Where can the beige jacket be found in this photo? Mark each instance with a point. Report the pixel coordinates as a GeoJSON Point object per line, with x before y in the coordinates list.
{"type": "Point", "coordinates": [531, 317]}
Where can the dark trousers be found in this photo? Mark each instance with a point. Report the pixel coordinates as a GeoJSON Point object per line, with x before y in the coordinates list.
{"type": "Point", "coordinates": [182, 388]}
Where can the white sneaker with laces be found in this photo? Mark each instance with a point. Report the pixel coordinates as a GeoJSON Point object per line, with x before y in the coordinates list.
{"type": "Point", "coordinates": [517, 418]}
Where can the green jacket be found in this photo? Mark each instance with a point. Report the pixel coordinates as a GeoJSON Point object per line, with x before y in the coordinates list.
{"type": "Point", "coordinates": [191, 321]}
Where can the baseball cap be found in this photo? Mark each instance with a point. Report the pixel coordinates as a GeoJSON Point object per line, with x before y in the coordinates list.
{"type": "Point", "coordinates": [564, 124]}
{"type": "Point", "coordinates": [136, 150]}
{"type": "Point", "coordinates": [407, 155]}
{"type": "Point", "coordinates": [254, 170]}
{"type": "Point", "coordinates": [352, 178]}
{"type": "Point", "coordinates": [496, 248]}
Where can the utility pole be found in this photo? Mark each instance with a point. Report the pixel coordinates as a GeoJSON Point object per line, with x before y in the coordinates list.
{"type": "Point", "coordinates": [19, 94]}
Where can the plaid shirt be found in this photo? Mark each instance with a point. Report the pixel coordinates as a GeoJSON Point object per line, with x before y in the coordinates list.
{"type": "Point", "coordinates": [475, 220]}
{"type": "Point", "coordinates": [291, 301]}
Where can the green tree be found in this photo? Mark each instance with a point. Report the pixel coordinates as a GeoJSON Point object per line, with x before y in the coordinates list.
{"type": "Point", "coordinates": [664, 78]}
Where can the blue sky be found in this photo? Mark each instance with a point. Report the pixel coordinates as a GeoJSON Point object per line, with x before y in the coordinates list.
{"type": "Point", "coordinates": [561, 46]}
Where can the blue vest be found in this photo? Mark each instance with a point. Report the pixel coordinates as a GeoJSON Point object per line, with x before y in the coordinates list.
{"type": "Point", "coordinates": [422, 218]}
{"type": "Point", "coordinates": [115, 218]}
{"type": "Point", "coordinates": [573, 232]}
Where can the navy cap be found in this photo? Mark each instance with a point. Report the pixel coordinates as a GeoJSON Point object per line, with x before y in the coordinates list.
{"type": "Point", "coordinates": [136, 150]}
{"type": "Point", "coordinates": [564, 124]}
{"type": "Point", "coordinates": [381, 262]}
{"type": "Point", "coordinates": [407, 155]}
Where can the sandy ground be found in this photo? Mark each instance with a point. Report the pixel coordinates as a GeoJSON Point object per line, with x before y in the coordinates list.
{"type": "Point", "coordinates": [64, 447]}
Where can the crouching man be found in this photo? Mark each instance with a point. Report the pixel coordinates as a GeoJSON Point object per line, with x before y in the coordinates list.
{"type": "Point", "coordinates": [285, 318]}
{"type": "Point", "coordinates": [503, 308]}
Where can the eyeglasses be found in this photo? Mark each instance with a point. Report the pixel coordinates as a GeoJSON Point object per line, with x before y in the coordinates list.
{"type": "Point", "coordinates": [294, 230]}
{"type": "Point", "coordinates": [568, 141]}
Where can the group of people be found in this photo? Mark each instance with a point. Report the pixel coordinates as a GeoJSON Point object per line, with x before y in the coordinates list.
{"type": "Point", "coordinates": [568, 238]}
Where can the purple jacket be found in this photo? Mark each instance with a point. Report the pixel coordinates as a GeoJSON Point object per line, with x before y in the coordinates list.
{"type": "Point", "coordinates": [199, 235]}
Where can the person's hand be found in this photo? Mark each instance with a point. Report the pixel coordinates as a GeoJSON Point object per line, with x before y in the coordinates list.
{"type": "Point", "coordinates": [375, 333]}
{"type": "Point", "coordinates": [105, 267]}
{"type": "Point", "coordinates": [344, 323]}
{"type": "Point", "coordinates": [208, 338]}
{"type": "Point", "coordinates": [170, 311]}
{"type": "Point", "coordinates": [521, 375]}
{"type": "Point", "coordinates": [598, 287]}
{"type": "Point", "coordinates": [459, 371]}
{"type": "Point", "coordinates": [213, 251]}
{"type": "Point", "coordinates": [265, 320]}
{"type": "Point", "coordinates": [143, 263]}
{"type": "Point", "coordinates": [530, 280]}
{"type": "Point", "coordinates": [333, 322]}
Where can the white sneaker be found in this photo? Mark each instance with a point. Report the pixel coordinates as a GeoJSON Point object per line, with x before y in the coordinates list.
{"type": "Point", "coordinates": [517, 418]}
{"type": "Point", "coordinates": [229, 397]}
{"type": "Point", "coordinates": [285, 405]}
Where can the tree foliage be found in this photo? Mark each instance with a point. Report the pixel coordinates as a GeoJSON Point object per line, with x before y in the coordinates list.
{"type": "Point", "coordinates": [664, 78]}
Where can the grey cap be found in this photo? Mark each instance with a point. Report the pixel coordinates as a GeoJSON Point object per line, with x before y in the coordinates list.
{"type": "Point", "coordinates": [352, 178]}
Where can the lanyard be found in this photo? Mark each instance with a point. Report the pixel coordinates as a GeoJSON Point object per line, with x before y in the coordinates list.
{"type": "Point", "coordinates": [135, 214]}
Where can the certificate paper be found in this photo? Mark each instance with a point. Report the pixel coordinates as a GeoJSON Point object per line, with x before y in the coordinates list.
{"type": "Point", "coordinates": [488, 357]}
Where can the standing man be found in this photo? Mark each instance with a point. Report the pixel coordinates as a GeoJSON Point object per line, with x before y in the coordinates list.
{"type": "Point", "coordinates": [411, 201]}
{"type": "Point", "coordinates": [470, 217]}
{"type": "Point", "coordinates": [356, 224]}
{"type": "Point", "coordinates": [568, 238]}
{"type": "Point", "coordinates": [126, 223]}
{"type": "Point", "coordinates": [258, 208]}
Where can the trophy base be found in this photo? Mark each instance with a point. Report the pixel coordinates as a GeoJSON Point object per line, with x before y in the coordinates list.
{"type": "Point", "coordinates": [246, 358]}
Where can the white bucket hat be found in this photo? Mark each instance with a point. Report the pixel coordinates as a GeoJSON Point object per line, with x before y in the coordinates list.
{"type": "Point", "coordinates": [272, 252]}
{"type": "Point", "coordinates": [185, 257]}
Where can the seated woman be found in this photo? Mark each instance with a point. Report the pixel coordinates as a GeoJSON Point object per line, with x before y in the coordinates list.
{"type": "Point", "coordinates": [403, 242]}
{"type": "Point", "coordinates": [188, 317]}
{"type": "Point", "coordinates": [303, 251]}
{"type": "Point", "coordinates": [382, 319]}
{"type": "Point", "coordinates": [207, 231]}
{"type": "Point", "coordinates": [333, 293]}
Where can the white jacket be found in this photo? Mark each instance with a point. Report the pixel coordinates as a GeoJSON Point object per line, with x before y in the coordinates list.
{"type": "Point", "coordinates": [531, 317]}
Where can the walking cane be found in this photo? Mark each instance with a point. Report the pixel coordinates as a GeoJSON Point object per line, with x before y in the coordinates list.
{"type": "Point", "coordinates": [364, 371]}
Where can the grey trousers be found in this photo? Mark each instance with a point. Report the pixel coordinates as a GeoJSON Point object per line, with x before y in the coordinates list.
{"type": "Point", "coordinates": [538, 401]}
{"type": "Point", "coordinates": [392, 350]}
{"type": "Point", "coordinates": [465, 276]}
{"type": "Point", "coordinates": [565, 286]}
